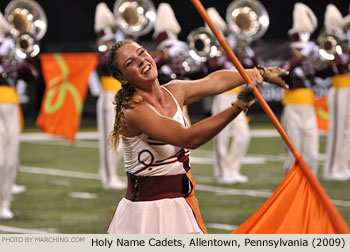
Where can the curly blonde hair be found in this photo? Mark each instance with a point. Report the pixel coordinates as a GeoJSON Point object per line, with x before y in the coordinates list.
{"type": "Point", "coordinates": [124, 98]}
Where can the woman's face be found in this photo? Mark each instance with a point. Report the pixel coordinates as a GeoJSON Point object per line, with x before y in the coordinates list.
{"type": "Point", "coordinates": [136, 65]}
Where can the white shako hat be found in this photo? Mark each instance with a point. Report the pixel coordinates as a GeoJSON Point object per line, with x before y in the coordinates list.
{"type": "Point", "coordinates": [166, 28]}
{"type": "Point", "coordinates": [332, 17]}
{"type": "Point", "coordinates": [104, 22]}
{"type": "Point", "coordinates": [4, 27]}
{"type": "Point", "coordinates": [304, 24]}
{"type": "Point", "coordinates": [218, 21]}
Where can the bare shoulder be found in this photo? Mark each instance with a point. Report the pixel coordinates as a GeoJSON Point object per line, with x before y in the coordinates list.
{"type": "Point", "coordinates": [137, 116]}
{"type": "Point", "coordinates": [177, 88]}
{"type": "Point", "coordinates": [139, 109]}
{"type": "Point", "coordinates": [173, 85]}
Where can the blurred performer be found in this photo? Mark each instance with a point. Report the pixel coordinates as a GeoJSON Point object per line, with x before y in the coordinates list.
{"type": "Point", "coordinates": [169, 47]}
{"type": "Point", "coordinates": [172, 56]}
{"type": "Point", "coordinates": [12, 68]}
{"type": "Point", "coordinates": [109, 159]}
{"type": "Point", "coordinates": [337, 166]}
{"type": "Point", "coordinates": [298, 117]}
{"type": "Point", "coordinates": [229, 158]}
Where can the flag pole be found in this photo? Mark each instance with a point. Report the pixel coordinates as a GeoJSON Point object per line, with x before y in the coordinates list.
{"type": "Point", "coordinates": [245, 76]}
{"type": "Point", "coordinates": [299, 159]}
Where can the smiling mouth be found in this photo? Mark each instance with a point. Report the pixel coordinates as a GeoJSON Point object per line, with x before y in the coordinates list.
{"type": "Point", "coordinates": [146, 69]}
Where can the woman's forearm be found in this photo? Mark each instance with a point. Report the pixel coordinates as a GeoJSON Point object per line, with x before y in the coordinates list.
{"type": "Point", "coordinates": [225, 80]}
{"type": "Point", "coordinates": [216, 83]}
{"type": "Point", "coordinates": [205, 130]}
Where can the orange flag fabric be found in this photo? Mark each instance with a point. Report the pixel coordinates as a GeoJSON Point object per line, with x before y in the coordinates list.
{"type": "Point", "coordinates": [298, 206]}
{"type": "Point", "coordinates": [66, 77]}
{"type": "Point", "coordinates": [322, 115]}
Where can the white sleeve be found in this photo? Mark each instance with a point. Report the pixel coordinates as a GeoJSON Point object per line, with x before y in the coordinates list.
{"type": "Point", "coordinates": [307, 50]}
{"type": "Point", "coordinates": [176, 48]}
{"type": "Point", "coordinates": [94, 83]}
{"type": "Point", "coordinates": [6, 46]}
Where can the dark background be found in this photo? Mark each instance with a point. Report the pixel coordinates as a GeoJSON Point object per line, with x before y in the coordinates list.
{"type": "Point", "coordinates": [71, 22]}
{"type": "Point", "coordinates": [71, 29]}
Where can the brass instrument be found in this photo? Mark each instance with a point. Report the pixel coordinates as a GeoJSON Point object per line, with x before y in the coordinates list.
{"type": "Point", "coordinates": [331, 43]}
{"type": "Point", "coordinates": [247, 19]}
{"type": "Point", "coordinates": [202, 44]}
{"type": "Point", "coordinates": [28, 26]}
{"type": "Point", "coordinates": [135, 17]}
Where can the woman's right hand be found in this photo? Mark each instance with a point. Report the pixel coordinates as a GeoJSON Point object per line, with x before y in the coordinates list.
{"type": "Point", "coordinates": [274, 75]}
{"type": "Point", "coordinates": [255, 75]}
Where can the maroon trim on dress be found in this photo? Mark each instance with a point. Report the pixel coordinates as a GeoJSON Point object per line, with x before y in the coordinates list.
{"type": "Point", "coordinates": [147, 188]}
{"type": "Point", "coordinates": [185, 122]}
{"type": "Point", "coordinates": [154, 143]}
{"type": "Point", "coordinates": [173, 156]}
{"type": "Point", "coordinates": [181, 156]}
{"type": "Point", "coordinates": [142, 162]}
{"type": "Point", "coordinates": [184, 159]}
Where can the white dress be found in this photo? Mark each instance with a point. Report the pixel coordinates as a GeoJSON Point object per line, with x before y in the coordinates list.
{"type": "Point", "coordinates": [145, 156]}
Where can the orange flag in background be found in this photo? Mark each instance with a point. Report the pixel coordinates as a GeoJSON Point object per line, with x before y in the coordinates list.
{"type": "Point", "coordinates": [298, 206]}
{"type": "Point", "coordinates": [322, 115]}
{"type": "Point", "coordinates": [66, 77]}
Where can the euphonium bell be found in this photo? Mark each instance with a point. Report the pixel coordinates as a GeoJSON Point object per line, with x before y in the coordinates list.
{"type": "Point", "coordinates": [28, 26]}
{"type": "Point", "coordinates": [330, 43]}
{"type": "Point", "coordinates": [247, 19]}
{"type": "Point", "coordinates": [202, 44]}
{"type": "Point", "coordinates": [26, 45]}
{"type": "Point", "coordinates": [135, 17]}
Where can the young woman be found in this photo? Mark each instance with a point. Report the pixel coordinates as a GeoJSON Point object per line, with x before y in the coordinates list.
{"type": "Point", "coordinates": [156, 140]}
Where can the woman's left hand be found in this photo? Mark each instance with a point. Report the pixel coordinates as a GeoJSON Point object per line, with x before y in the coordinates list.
{"type": "Point", "coordinates": [245, 97]}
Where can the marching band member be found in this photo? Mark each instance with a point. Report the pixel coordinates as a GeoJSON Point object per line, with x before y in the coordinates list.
{"type": "Point", "coordinates": [12, 68]}
{"type": "Point", "coordinates": [109, 159]}
{"type": "Point", "coordinates": [171, 52]}
{"type": "Point", "coordinates": [298, 116]}
{"type": "Point", "coordinates": [229, 158]}
{"type": "Point", "coordinates": [166, 30]}
{"type": "Point", "coordinates": [337, 165]}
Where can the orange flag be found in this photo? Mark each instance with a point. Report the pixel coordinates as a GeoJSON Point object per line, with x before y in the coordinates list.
{"type": "Point", "coordinates": [322, 115]}
{"type": "Point", "coordinates": [298, 206]}
{"type": "Point", "coordinates": [66, 77]}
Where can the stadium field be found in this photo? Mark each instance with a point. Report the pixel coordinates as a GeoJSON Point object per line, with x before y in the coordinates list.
{"type": "Point", "coordinates": [64, 193]}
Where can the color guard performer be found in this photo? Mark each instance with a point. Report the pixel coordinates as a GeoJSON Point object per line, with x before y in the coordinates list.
{"type": "Point", "coordinates": [156, 139]}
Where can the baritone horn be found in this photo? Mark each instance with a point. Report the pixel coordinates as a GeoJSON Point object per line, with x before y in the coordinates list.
{"type": "Point", "coordinates": [134, 17]}
{"type": "Point", "coordinates": [247, 19]}
{"type": "Point", "coordinates": [28, 26]}
{"type": "Point", "coordinates": [202, 44]}
{"type": "Point", "coordinates": [330, 43]}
